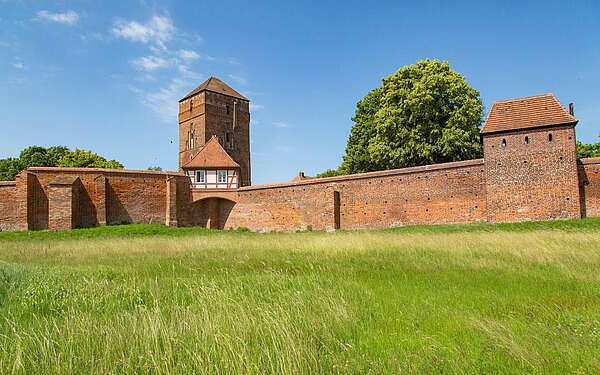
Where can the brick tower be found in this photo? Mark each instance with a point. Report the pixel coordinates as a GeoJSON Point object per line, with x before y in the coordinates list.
{"type": "Point", "coordinates": [214, 109]}
{"type": "Point", "coordinates": [530, 160]}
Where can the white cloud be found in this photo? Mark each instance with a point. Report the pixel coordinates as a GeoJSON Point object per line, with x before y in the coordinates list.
{"type": "Point", "coordinates": [164, 101]}
{"type": "Point", "coordinates": [237, 79]}
{"type": "Point", "coordinates": [187, 55]}
{"type": "Point", "coordinates": [157, 31]}
{"type": "Point", "coordinates": [67, 18]}
{"type": "Point", "coordinates": [149, 63]}
{"type": "Point", "coordinates": [279, 124]}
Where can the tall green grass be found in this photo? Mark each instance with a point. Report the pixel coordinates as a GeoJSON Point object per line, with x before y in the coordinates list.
{"type": "Point", "coordinates": [519, 298]}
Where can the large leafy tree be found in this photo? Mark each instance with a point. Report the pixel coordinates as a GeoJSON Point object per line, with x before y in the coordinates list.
{"type": "Point", "coordinates": [588, 150]}
{"type": "Point", "coordinates": [58, 156]}
{"type": "Point", "coordinates": [423, 114]}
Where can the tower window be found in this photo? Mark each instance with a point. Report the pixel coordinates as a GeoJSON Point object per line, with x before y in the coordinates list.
{"type": "Point", "coordinates": [227, 107]}
{"type": "Point", "coordinates": [503, 142]}
{"type": "Point", "coordinates": [549, 137]}
{"type": "Point", "coordinates": [200, 176]}
{"type": "Point", "coordinates": [221, 177]}
{"type": "Point", "coordinates": [191, 104]}
{"type": "Point", "coordinates": [526, 140]}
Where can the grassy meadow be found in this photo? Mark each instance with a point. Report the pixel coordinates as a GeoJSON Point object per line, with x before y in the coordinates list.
{"type": "Point", "coordinates": [510, 298]}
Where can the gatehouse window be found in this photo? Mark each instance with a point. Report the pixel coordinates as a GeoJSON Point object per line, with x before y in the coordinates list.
{"type": "Point", "coordinates": [549, 137]}
{"type": "Point", "coordinates": [221, 177]}
{"type": "Point", "coordinates": [200, 176]}
{"type": "Point", "coordinates": [503, 142]}
{"type": "Point", "coordinates": [526, 140]}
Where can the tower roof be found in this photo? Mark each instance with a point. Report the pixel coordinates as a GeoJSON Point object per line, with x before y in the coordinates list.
{"type": "Point", "coordinates": [212, 155]}
{"type": "Point", "coordinates": [525, 113]}
{"type": "Point", "coordinates": [215, 85]}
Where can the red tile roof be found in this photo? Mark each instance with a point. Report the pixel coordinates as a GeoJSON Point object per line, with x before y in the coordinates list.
{"type": "Point", "coordinates": [212, 155]}
{"type": "Point", "coordinates": [215, 85]}
{"type": "Point", "coordinates": [526, 113]}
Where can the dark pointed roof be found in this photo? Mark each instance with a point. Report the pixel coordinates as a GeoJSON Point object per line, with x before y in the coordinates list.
{"type": "Point", "coordinates": [212, 155]}
{"type": "Point", "coordinates": [525, 113]}
{"type": "Point", "coordinates": [215, 85]}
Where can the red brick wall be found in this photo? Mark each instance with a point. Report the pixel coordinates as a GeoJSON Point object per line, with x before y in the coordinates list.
{"type": "Point", "coordinates": [537, 180]}
{"type": "Point", "coordinates": [443, 193]}
{"type": "Point", "coordinates": [110, 196]}
{"type": "Point", "coordinates": [62, 206]}
{"type": "Point", "coordinates": [589, 182]}
{"type": "Point", "coordinates": [8, 206]}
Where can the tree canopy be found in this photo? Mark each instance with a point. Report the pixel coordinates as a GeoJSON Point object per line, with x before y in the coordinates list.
{"type": "Point", "coordinates": [588, 150]}
{"type": "Point", "coordinates": [424, 113]}
{"type": "Point", "coordinates": [57, 156]}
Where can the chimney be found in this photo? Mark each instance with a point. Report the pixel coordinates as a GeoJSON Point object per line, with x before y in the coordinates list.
{"type": "Point", "coordinates": [571, 109]}
{"type": "Point", "coordinates": [301, 175]}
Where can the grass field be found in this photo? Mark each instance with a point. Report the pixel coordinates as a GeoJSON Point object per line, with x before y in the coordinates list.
{"type": "Point", "coordinates": [512, 298]}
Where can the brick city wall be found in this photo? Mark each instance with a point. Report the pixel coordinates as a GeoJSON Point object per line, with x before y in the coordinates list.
{"type": "Point", "coordinates": [8, 206]}
{"type": "Point", "coordinates": [99, 197]}
{"type": "Point", "coordinates": [442, 193]}
{"type": "Point", "coordinates": [531, 175]}
{"type": "Point", "coordinates": [589, 182]}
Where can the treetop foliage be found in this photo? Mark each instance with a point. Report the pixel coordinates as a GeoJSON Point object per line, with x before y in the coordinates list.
{"type": "Point", "coordinates": [424, 113]}
{"type": "Point", "coordinates": [588, 150]}
{"type": "Point", "coordinates": [56, 156]}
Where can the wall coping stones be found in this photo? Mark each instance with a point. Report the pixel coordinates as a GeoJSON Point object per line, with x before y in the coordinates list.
{"type": "Point", "coordinates": [595, 160]}
{"type": "Point", "coordinates": [64, 180]}
{"type": "Point", "coordinates": [8, 183]}
{"type": "Point", "coordinates": [358, 176]}
{"type": "Point", "coordinates": [101, 170]}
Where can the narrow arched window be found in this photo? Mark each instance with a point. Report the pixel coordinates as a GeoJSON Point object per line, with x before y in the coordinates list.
{"type": "Point", "coordinates": [526, 140]}
{"type": "Point", "coordinates": [503, 142]}
{"type": "Point", "coordinates": [549, 137]}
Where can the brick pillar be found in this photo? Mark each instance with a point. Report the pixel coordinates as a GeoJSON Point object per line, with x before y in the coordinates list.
{"type": "Point", "coordinates": [63, 201]}
{"type": "Point", "coordinates": [24, 200]}
{"type": "Point", "coordinates": [171, 202]}
{"type": "Point", "coordinates": [100, 199]}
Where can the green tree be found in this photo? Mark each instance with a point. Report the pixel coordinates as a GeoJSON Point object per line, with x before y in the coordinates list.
{"type": "Point", "coordinates": [9, 168]}
{"type": "Point", "coordinates": [87, 159]}
{"type": "Point", "coordinates": [358, 158]}
{"type": "Point", "coordinates": [156, 169]}
{"type": "Point", "coordinates": [588, 150]}
{"type": "Point", "coordinates": [330, 173]}
{"type": "Point", "coordinates": [423, 114]}
{"type": "Point", "coordinates": [57, 156]}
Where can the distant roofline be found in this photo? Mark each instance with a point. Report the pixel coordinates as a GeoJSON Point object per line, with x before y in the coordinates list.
{"type": "Point", "coordinates": [523, 98]}
{"type": "Point", "coordinates": [483, 129]}
{"type": "Point", "coordinates": [199, 90]}
{"type": "Point", "coordinates": [534, 127]}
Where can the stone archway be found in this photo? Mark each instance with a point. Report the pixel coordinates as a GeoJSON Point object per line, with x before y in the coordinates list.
{"type": "Point", "coordinates": [211, 212]}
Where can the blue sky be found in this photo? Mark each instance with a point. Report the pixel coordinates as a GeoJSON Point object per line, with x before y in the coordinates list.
{"type": "Point", "coordinates": [106, 75]}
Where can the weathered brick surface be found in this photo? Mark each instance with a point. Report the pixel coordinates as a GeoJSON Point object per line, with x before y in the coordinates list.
{"type": "Point", "coordinates": [444, 193]}
{"type": "Point", "coordinates": [63, 206]}
{"type": "Point", "coordinates": [8, 206]}
{"type": "Point", "coordinates": [589, 182]}
{"type": "Point", "coordinates": [101, 197]}
{"type": "Point", "coordinates": [532, 177]}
